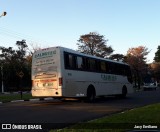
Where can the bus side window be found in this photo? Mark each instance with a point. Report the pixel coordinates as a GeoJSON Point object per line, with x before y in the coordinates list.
{"type": "Point", "coordinates": [80, 63]}
{"type": "Point", "coordinates": [110, 67]}
{"type": "Point", "coordinates": [129, 74]}
{"type": "Point", "coordinates": [91, 64]}
{"type": "Point", "coordinates": [124, 70]}
{"type": "Point", "coordinates": [66, 60]}
{"type": "Point", "coordinates": [119, 69]}
{"type": "Point", "coordinates": [103, 66]}
{"type": "Point", "coordinates": [114, 70]}
{"type": "Point", "coordinates": [70, 61]}
{"type": "Point", "coordinates": [107, 67]}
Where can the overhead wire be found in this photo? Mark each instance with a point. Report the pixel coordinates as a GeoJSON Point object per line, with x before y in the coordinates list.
{"type": "Point", "coordinates": [7, 34]}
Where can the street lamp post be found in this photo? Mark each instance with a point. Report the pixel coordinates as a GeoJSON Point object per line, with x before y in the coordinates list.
{"type": "Point", "coordinates": [3, 14]}
{"type": "Point", "coordinates": [2, 79]}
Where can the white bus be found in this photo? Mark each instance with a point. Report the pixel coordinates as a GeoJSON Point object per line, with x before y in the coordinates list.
{"type": "Point", "coordinates": [61, 72]}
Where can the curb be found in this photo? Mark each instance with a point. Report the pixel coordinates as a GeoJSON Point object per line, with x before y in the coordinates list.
{"type": "Point", "coordinates": [18, 92]}
{"type": "Point", "coordinates": [32, 100]}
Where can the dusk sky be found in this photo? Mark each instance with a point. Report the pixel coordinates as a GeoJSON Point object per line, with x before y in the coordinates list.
{"type": "Point", "coordinates": [48, 23]}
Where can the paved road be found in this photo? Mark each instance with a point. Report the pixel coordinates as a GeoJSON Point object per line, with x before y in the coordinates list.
{"type": "Point", "coordinates": [55, 111]}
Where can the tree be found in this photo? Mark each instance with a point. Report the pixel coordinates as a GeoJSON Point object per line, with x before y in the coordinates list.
{"type": "Point", "coordinates": [136, 57]}
{"type": "Point", "coordinates": [157, 55]}
{"type": "Point", "coordinates": [14, 62]}
{"type": "Point", "coordinates": [20, 56]}
{"type": "Point", "coordinates": [8, 55]}
{"type": "Point", "coordinates": [155, 70]}
{"type": "Point", "coordinates": [117, 57]}
{"type": "Point", "coordinates": [94, 44]}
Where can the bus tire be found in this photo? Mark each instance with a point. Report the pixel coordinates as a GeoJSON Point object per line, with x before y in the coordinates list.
{"type": "Point", "coordinates": [91, 94]}
{"type": "Point", "coordinates": [124, 92]}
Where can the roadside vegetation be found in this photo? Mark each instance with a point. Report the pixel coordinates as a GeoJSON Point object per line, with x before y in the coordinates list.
{"type": "Point", "coordinates": [11, 97]}
{"type": "Point", "coordinates": [148, 116]}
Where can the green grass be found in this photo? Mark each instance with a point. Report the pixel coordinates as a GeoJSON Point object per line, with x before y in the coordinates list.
{"type": "Point", "coordinates": [148, 115]}
{"type": "Point", "coordinates": [10, 97]}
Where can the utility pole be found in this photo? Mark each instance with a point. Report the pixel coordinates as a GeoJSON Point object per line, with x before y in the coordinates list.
{"type": "Point", "coordinates": [2, 79]}
{"type": "Point", "coordinates": [3, 14]}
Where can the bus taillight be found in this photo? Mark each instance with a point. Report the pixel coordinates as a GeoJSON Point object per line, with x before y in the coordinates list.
{"type": "Point", "coordinates": [32, 83]}
{"type": "Point", "coordinates": [60, 81]}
